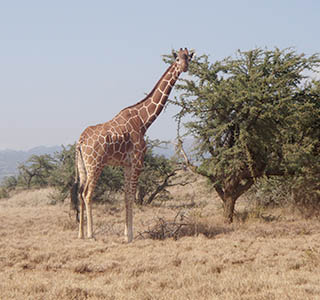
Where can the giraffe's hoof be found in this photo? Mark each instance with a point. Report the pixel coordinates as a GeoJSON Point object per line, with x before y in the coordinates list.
{"type": "Point", "coordinates": [91, 238]}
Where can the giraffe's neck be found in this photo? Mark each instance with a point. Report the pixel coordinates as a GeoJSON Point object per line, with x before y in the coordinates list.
{"type": "Point", "coordinates": [152, 105]}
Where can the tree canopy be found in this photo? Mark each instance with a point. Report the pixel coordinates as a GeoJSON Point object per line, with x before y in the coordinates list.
{"type": "Point", "coordinates": [252, 115]}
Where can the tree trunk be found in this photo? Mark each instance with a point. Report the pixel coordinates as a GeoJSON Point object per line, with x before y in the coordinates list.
{"type": "Point", "coordinates": [141, 195]}
{"type": "Point", "coordinates": [229, 195]}
{"type": "Point", "coordinates": [229, 202]}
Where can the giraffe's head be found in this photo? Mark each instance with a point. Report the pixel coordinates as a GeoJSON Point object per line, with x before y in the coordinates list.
{"type": "Point", "coordinates": [183, 58]}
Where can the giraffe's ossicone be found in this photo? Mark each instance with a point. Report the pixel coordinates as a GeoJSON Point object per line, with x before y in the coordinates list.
{"type": "Point", "coordinates": [120, 142]}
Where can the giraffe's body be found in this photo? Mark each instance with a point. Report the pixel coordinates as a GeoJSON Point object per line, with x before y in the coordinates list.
{"type": "Point", "coordinates": [120, 142]}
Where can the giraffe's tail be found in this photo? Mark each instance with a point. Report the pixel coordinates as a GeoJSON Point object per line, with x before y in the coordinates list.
{"type": "Point", "coordinates": [74, 193]}
{"type": "Point", "coordinates": [74, 205]}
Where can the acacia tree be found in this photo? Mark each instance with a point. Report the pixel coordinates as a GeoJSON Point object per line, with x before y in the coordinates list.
{"type": "Point", "coordinates": [158, 174]}
{"type": "Point", "coordinates": [9, 183]}
{"type": "Point", "coordinates": [62, 176]}
{"type": "Point", "coordinates": [252, 115]}
{"type": "Point", "coordinates": [36, 170]}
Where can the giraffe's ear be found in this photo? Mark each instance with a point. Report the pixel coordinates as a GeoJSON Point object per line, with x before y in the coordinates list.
{"type": "Point", "coordinates": [174, 54]}
{"type": "Point", "coordinates": [192, 54]}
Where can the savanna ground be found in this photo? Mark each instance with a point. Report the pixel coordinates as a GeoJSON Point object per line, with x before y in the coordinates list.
{"type": "Point", "coordinates": [263, 255]}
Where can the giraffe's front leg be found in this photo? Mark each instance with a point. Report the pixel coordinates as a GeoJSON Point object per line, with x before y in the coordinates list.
{"type": "Point", "coordinates": [128, 233]}
{"type": "Point", "coordinates": [131, 179]}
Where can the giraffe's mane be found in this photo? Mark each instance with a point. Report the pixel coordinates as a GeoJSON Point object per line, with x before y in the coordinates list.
{"type": "Point", "coordinates": [152, 91]}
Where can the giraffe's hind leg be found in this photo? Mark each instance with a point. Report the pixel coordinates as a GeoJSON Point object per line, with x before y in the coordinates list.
{"type": "Point", "coordinates": [82, 183]}
{"type": "Point", "coordinates": [81, 221]}
{"type": "Point", "coordinates": [81, 207]}
{"type": "Point", "coordinates": [87, 196]}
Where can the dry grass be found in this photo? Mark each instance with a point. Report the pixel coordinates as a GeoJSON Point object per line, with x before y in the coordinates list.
{"type": "Point", "coordinates": [41, 257]}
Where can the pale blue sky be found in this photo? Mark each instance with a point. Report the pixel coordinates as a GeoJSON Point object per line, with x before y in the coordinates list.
{"type": "Point", "coordinates": [68, 64]}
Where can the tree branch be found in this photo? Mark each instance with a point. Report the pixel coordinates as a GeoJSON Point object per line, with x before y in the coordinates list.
{"type": "Point", "coordinates": [160, 187]}
{"type": "Point", "coordinates": [241, 188]}
{"type": "Point", "coordinates": [181, 151]}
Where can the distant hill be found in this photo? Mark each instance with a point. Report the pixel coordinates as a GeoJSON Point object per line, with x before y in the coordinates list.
{"type": "Point", "coordinates": [10, 159]}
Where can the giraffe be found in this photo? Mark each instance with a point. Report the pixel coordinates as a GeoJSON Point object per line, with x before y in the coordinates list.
{"type": "Point", "coordinates": [120, 142]}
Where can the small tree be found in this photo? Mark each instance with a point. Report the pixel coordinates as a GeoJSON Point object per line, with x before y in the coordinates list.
{"type": "Point", "coordinates": [9, 183]}
{"type": "Point", "coordinates": [156, 176]}
{"type": "Point", "coordinates": [252, 115]}
{"type": "Point", "coordinates": [35, 171]}
{"type": "Point", "coordinates": [62, 176]}
{"type": "Point", "coordinates": [111, 181]}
